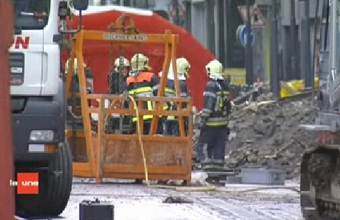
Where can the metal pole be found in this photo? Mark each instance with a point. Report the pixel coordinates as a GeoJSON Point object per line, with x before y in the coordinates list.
{"type": "Point", "coordinates": [249, 52]}
{"type": "Point", "coordinates": [176, 5]}
{"type": "Point", "coordinates": [308, 76]}
{"type": "Point", "coordinates": [333, 41]}
{"type": "Point", "coordinates": [221, 25]}
{"type": "Point", "coordinates": [7, 204]}
{"type": "Point", "coordinates": [121, 2]}
{"type": "Point", "coordinates": [303, 44]}
{"type": "Point", "coordinates": [316, 25]}
{"type": "Point", "coordinates": [210, 25]}
{"type": "Point", "coordinates": [274, 76]}
{"type": "Point", "coordinates": [188, 15]}
{"type": "Point", "coordinates": [293, 40]}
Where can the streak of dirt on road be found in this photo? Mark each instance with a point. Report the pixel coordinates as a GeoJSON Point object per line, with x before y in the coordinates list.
{"type": "Point", "coordinates": [140, 202]}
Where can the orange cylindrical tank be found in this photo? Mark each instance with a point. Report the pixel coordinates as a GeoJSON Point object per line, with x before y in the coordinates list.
{"type": "Point", "coordinates": [7, 205]}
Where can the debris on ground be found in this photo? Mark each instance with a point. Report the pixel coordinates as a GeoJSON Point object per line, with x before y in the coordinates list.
{"type": "Point", "coordinates": [266, 133]}
{"type": "Point", "coordinates": [177, 199]}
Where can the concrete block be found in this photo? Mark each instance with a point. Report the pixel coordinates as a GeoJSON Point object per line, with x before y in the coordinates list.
{"type": "Point", "coordinates": [263, 176]}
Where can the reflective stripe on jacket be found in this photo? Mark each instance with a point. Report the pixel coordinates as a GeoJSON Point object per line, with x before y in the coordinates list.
{"type": "Point", "coordinates": [145, 84]}
{"type": "Point", "coordinates": [170, 91]}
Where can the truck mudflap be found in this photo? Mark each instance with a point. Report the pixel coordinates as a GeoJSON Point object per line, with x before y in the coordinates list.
{"type": "Point", "coordinates": [38, 127]}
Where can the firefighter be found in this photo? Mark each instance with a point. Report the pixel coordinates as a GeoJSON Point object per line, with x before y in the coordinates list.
{"type": "Point", "coordinates": [143, 83]}
{"type": "Point", "coordinates": [183, 66]}
{"type": "Point", "coordinates": [117, 85]}
{"type": "Point", "coordinates": [214, 119]}
{"type": "Point", "coordinates": [116, 79]}
{"type": "Point", "coordinates": [74, 119]}
{"type": "Point", "coordinates": [75, 81]}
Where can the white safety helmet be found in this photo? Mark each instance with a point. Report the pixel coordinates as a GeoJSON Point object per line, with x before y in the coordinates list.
{"type": "Point", "coordinates": [139, 62]}
{"type": "Point", "coordinates": [183, 67]}
{"type": "Point", "coordinates": [75, 65]}
{"type": "Point", "coordinates": [214, 69]}
{"type": "Point", "coordinates": [121, 61]}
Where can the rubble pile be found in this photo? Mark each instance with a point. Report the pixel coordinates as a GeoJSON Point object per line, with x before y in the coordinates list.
{"type": "Point", "coordinates": [266, 134]}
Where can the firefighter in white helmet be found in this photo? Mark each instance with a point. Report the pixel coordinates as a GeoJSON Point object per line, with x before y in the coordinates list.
{"type": "Point", "coordinates": [117, 78]}
{"type": "Point", "coordinates": [183, 66]}
{"type": "Point", "coordinates": [143, 83]}
{"type": "Point", "coordinates": [214, 118]}
{"type": "Point", "coordinates": [117, 85]}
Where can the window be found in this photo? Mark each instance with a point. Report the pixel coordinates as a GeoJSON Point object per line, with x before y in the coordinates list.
{"type": "Point", "coordinates": [31, 14]}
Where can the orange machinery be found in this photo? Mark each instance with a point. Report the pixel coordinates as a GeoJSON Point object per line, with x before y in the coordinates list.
{"type": "Point", "coordinates": [7, 205]}
{"type": "Point", "coordinates": [126, 156]}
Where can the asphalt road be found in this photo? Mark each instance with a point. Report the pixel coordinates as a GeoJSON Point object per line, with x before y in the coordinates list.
{"type": "Point", "coordinates": [133, 202]}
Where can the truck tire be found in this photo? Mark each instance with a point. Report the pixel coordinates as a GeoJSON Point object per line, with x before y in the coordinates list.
{"type": "Point", "coordinates": [54, 188]}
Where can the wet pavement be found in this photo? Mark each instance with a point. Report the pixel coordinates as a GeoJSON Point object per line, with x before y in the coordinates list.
{"type": "Point", "coordinates": [133, 201]}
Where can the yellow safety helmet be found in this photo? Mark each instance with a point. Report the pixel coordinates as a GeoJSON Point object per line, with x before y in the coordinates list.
{"type": "Point", "coordinates": [140, 62]}
{"type": "Point", "coordinates": [75, 65]}
{"type": "Point", "coordinates": [183, 66]}
{"type": "Point", "coordinates": [214, 69]}
{"type": "Point", "coordinates": [121, 61]}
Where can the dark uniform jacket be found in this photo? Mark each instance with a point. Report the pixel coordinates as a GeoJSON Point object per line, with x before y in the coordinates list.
{"type": "Point", "coordinates": [145, 84]}
{"type": "Point", "coordinates": [217, 104]}
{"type": "Point", "coordinates": [117, 83]}
{"type": "Point", "coordinates": [170, 91]}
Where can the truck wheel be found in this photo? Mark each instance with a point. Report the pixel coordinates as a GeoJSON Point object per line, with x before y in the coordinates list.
{"type": "Point", "coordinates": [54, 188]}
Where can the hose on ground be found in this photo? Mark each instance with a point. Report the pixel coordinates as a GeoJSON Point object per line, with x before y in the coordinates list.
{"type": "Point", "coordinates": [190, 188]}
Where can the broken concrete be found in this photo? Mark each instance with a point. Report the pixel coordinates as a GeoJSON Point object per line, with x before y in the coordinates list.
{"type": "Point", "coordinates": [267, 134]}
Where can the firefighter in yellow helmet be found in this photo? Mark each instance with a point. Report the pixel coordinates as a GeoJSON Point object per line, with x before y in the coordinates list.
{"type": "Point", "coordinates": [143, 83]}
{"type": "Point", "coordinates": [183, 66]}
{"type": "Point", "coordinates": [214, 119]}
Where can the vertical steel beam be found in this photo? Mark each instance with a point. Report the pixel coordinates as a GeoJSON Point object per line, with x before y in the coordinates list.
{"type": "Point", "coordinates": [7, 205]}
{"type": "Point", "coordinates": [249, 50]}
{"type": "Point", "coordinates": [274, 75]}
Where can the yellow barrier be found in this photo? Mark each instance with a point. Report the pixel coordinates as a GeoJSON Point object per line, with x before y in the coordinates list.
{"type": "Point", "coordinates": [237, 76]}
{"type": "Point", "coordinates": [296, 86]}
